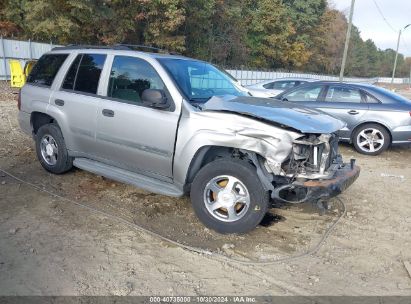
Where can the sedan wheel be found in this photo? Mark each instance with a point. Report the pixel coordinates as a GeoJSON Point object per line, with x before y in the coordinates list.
{"type": "Point", "coordinates": [371, 139]}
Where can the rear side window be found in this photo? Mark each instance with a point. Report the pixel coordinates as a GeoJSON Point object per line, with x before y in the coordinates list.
{"type": "Point", "coordinates": [68, 83]}
{"type": "Point", "coordinates": [281, 85]}
{"type": "Point", "coordinates": [371, 99]}
{"type": "Point", "coordinates": [84, 73]}
{"type": "Point", "coordinates": [45, 70]}
{"type": "Point", "coordinates": [343, 94]}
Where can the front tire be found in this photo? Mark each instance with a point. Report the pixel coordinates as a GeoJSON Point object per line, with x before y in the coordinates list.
{"type": "Point", "coordinates": [51, 149]}
{"type": "Point", "coordinates": [228, 197]}
{"type": "Point", "coordinates": [371, 139]}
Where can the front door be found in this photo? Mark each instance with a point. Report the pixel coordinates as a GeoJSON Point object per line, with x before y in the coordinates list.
{"type": "Point", "coordinates": [131, 134]}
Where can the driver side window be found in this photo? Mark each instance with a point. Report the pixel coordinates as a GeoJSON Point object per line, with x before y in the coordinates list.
{"type": "Point", "coordinates": [129, 77]}
{"type": "Point", "coordinates": [304, 94]}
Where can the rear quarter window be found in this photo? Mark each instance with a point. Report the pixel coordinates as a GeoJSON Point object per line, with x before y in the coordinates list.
{"type": "Point", "coordinates": [371, 99]}
{"type": "Point", "coordinates": [84, 73]}
{"type": "Point", "coordinates": [45, 70]}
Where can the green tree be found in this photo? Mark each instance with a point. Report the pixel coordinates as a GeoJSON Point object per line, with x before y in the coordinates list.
{"type": "Point", "coordinates": [164, 19]}
{"type": "Point", "coordinates": [268, 36]}
{"type": "Point", "coordinates": [328, 43]}
{"type": "Point", "coordinates": [305, 17]}
{"type": "Point", "coordinates": [12, 18]}
{"type": "Point", "coordinates": [199, 28]}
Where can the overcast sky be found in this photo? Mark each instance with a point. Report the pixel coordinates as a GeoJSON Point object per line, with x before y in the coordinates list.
{"type": "Point", "coordinates": [372, 25]}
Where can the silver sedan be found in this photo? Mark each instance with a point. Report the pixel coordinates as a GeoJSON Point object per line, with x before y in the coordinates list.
{"type": "Point", "coordinates": [273, 87]}
{"type": "Point", "coordinates": [375, 117]}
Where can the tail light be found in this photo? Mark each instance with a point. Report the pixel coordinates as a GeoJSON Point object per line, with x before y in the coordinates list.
{"type": "Point", "coordinates": [19, 100]}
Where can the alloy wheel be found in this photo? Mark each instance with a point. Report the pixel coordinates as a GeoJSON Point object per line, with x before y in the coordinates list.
{"type": "Point", "coordinates": [49, 149]}
{"type": "Point", "coordinates": [226, 198]}
{"type": "Point", "coordinates": [370, 140]}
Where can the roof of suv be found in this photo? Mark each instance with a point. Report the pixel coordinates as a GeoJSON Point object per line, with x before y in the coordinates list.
{"type": "Point", "coordinates": [147, 50]}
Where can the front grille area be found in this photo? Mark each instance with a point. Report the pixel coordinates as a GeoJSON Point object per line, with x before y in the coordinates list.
{"type": "Point", "coordinates": [332, 154]}
{"type": "Point", "coordinates": [308, 154]}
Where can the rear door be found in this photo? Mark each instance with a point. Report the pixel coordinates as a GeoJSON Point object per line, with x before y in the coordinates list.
{"type": "Point", "coordinates": [344, 102]}
{"type": "Point", "coordinates": [77, 101]}
{"type": "Point", "coordinates": [347, 103]}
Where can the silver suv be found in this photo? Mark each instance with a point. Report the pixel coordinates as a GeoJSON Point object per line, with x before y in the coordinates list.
{"type": "Point", "coordinates": [175, 125]}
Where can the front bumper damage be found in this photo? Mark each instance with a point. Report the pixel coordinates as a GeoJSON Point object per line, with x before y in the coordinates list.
{"type": "Point", "coordinates": [315, 171]}
{"type": "Point", "coordinates": [317, 190]}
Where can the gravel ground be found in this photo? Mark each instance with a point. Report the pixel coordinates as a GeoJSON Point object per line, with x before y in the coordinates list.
{"type": "Point", "coordinates": [49, 246]}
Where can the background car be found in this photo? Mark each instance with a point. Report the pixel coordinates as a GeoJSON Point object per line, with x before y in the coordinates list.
{"type": "Point", "coordinates": [375, 117]}
{"type": "Point", "coordinates": [273, 87]}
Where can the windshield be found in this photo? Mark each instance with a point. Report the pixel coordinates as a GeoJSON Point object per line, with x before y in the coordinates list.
{"type": "Point", "coordinates": [200, 80]}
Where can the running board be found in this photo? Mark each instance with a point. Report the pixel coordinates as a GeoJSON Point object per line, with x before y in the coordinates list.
{"type": "Point", "coordinates": [124, 176]}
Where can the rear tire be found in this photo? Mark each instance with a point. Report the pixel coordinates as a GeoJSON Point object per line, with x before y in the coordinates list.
{"type": "Point", "coordinates": [51, 149]}
{"type": "Point", "coordinates": [235, 186]}
{"type": "Point", "coordinates": [371, 139]}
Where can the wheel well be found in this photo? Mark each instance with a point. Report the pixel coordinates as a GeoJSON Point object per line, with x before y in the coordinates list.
{"type": "Point", "coordinates": [367, 123]}
{"type": "Point", "coordinates": [206, 155]}
{"type": "Point", "coordinates": [39, 119]}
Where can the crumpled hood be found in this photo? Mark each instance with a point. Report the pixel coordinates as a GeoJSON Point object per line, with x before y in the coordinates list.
{"type": "Point", "coordinates": [286, 113]}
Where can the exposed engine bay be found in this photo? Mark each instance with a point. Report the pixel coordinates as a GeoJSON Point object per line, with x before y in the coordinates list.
{"type": "Point", "coordinates": [313, 157]}
{"type": "Point", "coordinates": [313, 162]}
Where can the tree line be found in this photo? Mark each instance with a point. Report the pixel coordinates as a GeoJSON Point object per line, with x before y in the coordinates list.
{"type": "Point", "coordinates": [263, 34]}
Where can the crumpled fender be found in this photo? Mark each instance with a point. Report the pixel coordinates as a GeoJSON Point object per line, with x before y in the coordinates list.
{"type": "Point", "coordinates": [211, 129]}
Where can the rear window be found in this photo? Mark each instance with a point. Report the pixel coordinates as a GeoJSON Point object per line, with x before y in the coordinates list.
{"type": "Point", "coordinates": [45, 70]}
{"type": "Point", "coordinates": [387, 93]}
{"type": "Point", "coordinates": [84, 73]}
{"type": "Point", "coordinates": [343, 94]}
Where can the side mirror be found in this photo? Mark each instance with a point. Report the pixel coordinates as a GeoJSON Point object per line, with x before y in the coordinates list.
{"type": "Point", "coordinates": [155, 98]}
{"type": "Point", "coordinates": [284, 99]}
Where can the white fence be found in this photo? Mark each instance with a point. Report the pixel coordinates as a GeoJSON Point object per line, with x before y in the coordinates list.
{"type": "Point", "coordinates": [26, 50]}
{"type": "Point", "coordinates": [249, 77]}
{"type": "Point", "coordinates": [21, 50]}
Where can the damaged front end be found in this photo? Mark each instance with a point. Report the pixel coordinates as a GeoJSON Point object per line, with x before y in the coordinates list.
{"type": "Point", "coordinates": [314, 171]}
{"type": "Point", "coordinates": [294, 149]}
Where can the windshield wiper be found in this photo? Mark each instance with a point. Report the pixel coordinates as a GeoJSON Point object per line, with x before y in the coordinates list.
{"type": "Point", "coordinates": [195, 103]}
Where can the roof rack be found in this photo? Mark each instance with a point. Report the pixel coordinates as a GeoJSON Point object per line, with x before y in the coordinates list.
{"type": "Point", "coordinates": [141, 47]}
{"type": "Point", "coordinates": [86, 46]}
{"type": "Point", "coordinates": [136, 47]}
{"type": "Point", "coordinates": [120, 46]}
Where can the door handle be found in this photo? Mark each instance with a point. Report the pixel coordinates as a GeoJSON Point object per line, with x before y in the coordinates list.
{"type": "Point", "coordinates": [59, 102]}
{"type": "Point", "coordinates": [108, 113]}
{"type": "Point", "coordinates": [353, 112]}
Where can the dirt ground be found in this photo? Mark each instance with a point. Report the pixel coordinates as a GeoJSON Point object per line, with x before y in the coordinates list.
{"type": "Point", "coordinates": [49, 246]}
